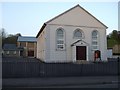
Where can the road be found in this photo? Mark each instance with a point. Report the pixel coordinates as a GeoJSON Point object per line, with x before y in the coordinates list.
{"type": "Point", "coordinates": [62, 82]}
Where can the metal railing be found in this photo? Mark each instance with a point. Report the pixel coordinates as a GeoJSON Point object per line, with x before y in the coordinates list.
{"type": "Point", "coordinates": [36, 69]}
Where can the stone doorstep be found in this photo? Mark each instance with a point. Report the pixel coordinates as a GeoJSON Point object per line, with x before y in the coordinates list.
{"type": "Point", "coordinates": [82, 62]}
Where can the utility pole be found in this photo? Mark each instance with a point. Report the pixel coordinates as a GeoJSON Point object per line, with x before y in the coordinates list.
{"type": "Point", "coordinates": [118, 57]}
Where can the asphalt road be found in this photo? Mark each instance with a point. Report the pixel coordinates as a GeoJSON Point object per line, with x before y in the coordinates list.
{"type": "Point", "coordinates": [62, 82]}
{"type": "Point", "coordinates": [72, 86]}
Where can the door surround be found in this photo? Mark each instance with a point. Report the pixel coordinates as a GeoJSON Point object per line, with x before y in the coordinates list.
{"type": "Point", "coordinates": [79, 43]}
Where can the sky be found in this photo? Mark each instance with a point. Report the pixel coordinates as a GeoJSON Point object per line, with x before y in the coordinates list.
{"type": "Point", "coordinates": [28, 17]}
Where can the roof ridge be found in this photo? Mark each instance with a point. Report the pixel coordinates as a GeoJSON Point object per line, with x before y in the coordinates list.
{"type": "Point", "coordinates": [27, 36]}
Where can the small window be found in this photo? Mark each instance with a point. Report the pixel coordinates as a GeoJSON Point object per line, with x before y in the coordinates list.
{"type": "Point", "coordinates": [78, 34]}
{"type": "Point", "coordinates": [2, 52]}
{"type": "Point", "coordinates": [14, 52]}
{"type": "Point", "coordinates": [8, 52]}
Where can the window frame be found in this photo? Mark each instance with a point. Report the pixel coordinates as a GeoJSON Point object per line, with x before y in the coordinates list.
{"type": "Point", "coordinates": [75, 31]}
{"type": "Point", "coordinates": [8, 52]}
{"type": "Point", "coordinates": [15, 52]}
{"type": "Point", "coordinates": [60, 39]}
{"type": "Point", "coordinates": [95, 39]}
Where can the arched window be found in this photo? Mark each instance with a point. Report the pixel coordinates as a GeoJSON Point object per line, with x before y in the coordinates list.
{"type": "Point", "coordinates": [60, 39]}
{"type": "Point", "coordinates": [95, 40]}
{"type": "Point", "coordinates": [78, 34]}
{"type": "Point", "coordinates": [95, 34]}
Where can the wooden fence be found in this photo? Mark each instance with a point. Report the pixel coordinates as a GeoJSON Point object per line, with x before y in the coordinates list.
{"type": "Point", "coordinates": [35, 69]}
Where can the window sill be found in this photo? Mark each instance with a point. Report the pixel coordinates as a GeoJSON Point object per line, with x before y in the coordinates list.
{"type": "Point", "coordinates": [60, 49]}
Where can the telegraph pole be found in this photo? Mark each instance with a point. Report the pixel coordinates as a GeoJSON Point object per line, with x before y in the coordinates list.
{"type": "Point", "coordinates": [118, 59]}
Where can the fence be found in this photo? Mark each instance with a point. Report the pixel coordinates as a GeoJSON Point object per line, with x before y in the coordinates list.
{"type": "Point", "coordinates": [36, 69]}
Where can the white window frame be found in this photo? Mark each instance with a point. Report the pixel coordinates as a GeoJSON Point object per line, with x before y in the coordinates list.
{"type": "Point", "coordinates": [80, 32]}
{"type": "Point", "coordinates": [60, 39]}
{"type": "Point", "coordinates": [95, 39]}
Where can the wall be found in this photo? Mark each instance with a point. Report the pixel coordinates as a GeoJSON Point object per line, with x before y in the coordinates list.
{"type": "Point", "coordinates": [41, 46]}
{"type": "Point", "coordinates": [69, 40]}
{"type": "Point", "coordinates": [77, 17]}
{"type": "Point", "coordinates": [27, 47]}
{"type": "Point", "coordinates": [31, 46]}
{"type": "Point", "coordinates": [11, 53]}
{"type": "Point", "coordinates": [103, 44]}
{"type": "Point", "coordinates": [109, 53]}
{"type": "Point", "coordinates": [70, 21]}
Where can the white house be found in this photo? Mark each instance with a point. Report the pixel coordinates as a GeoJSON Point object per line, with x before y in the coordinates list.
{"type": "Point", "coordinates": [71, 36]}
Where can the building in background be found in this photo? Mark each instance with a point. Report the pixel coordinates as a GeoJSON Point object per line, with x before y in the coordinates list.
{"type": "Point", "coordinates": [11, 50]}
{"type": "Point", "coordinates": [109, 53]}
{"type": "Point", "coordinates": [29, 45]}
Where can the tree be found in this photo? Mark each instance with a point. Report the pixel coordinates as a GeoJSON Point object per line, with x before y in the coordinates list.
{"type": "Point", "coordinates": [12, 39]}
{"type": "Point", "coordinates": [114, 34]}
{"type": "Point", "coordinates": [113, 38]}
{"type": "Point", "coordinates": [3, 35]}
{"type": "Point", "coordinates": [18, 34]}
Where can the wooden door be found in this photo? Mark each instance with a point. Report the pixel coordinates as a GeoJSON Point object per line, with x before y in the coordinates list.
{"type": "Point", "coordinates": [30, 53]}
{"type": "Point", "coordinates": [80, 52]}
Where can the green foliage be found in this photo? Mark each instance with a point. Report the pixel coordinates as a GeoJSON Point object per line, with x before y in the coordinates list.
{"type": "Point", "coordinates": [8, 39]}
{"type": "Point", "coordinates": [111, 43]}
{"type": "Point", "coordinates": [113, 39]}
{"type": "Point", "coordinates": [11, 39]}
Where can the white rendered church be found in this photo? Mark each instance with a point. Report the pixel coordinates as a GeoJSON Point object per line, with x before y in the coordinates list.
{"type": "Point", "coordinates": [73, 35]}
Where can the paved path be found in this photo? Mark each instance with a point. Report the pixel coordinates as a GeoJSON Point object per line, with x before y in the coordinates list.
{"type": "Point", "coordinates": [62, 82]}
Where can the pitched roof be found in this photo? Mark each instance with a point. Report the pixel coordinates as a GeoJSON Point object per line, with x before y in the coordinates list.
{"type": "Point", "coordinates": [9, 47]}
{"type": "Point", "coordinates": [26, 39]}
{"type": "Point", "coordinates": [78, 42]}
{"type": "Point", "coordinates": [44, 25]}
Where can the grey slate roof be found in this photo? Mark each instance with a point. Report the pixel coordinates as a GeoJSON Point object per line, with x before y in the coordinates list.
{"type": "Point", "coordinates": [26, 39]}
{"type": "Point", "coordinates": [9, 47]}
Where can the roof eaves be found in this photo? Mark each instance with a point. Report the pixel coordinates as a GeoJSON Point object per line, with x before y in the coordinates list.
{"type": "Point", "coordinates": [44, 25]}
{"type": "Point", "coordinates": [93, 16]}
{"type": "Point", "coordinates": [42, 28]}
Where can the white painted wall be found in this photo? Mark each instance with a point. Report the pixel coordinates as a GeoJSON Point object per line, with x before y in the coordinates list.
{"type": "Point", "coordinates": [78, 17]}
{"type": "Point", "coordinates": [41, 46]}
{"type": "Point", "coordinates": [67, 55]}
{"type": "Point", "coordinates": [103, 44]}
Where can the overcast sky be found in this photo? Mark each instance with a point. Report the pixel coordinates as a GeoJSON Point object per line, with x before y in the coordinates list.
{"type": "Point", "coordinates": [27, 18]}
